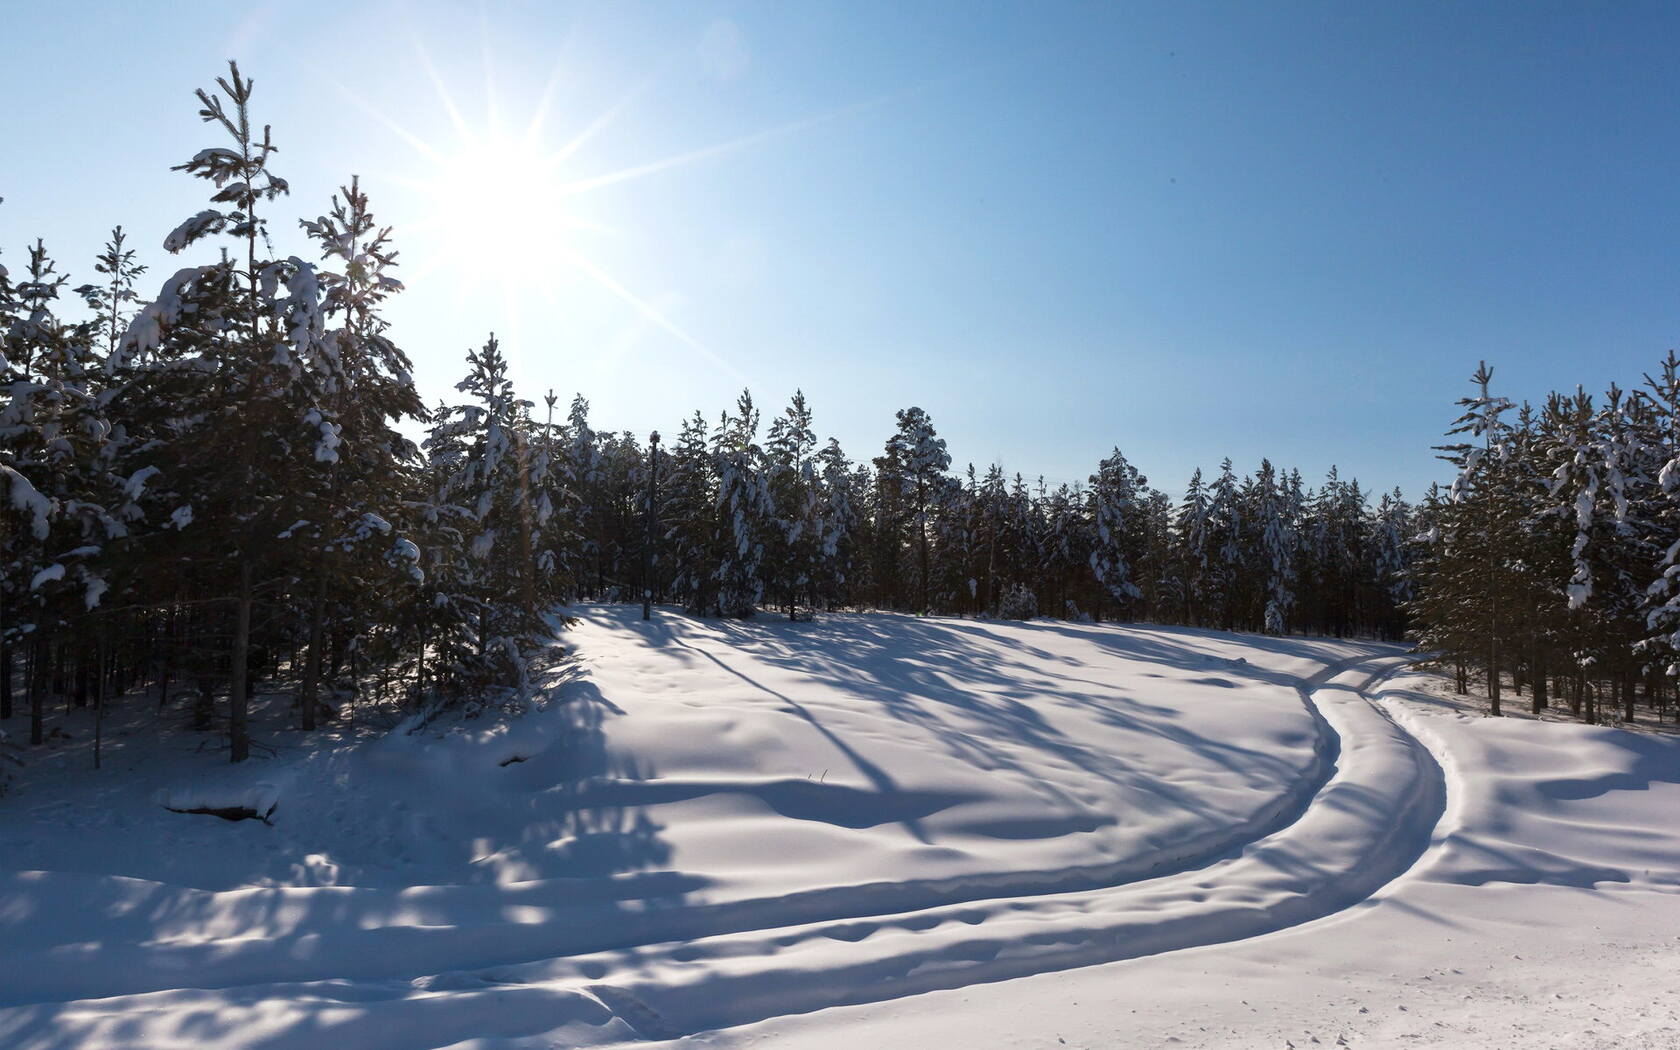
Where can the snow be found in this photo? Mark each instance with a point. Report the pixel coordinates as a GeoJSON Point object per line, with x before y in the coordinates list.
{"type": "Point", "coordinates": [26, 499]}
{"type": "Point", "coordinates": [136, 482]}
{"type": "Point", "coordinates": [867, 830]}
{"type": "Point", "coordinates": [52, 572]}
{"type": "Point", "coordinates": [95, 590]}
{"type": "Point", "coordinates": [192, 229]}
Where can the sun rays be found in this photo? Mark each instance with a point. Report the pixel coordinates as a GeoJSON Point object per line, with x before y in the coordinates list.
{"type": "Point", "coordinates": [501, 196]}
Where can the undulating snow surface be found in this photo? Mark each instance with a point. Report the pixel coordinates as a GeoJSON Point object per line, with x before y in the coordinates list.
{"type": "Point", "coordinates": [870, 830]}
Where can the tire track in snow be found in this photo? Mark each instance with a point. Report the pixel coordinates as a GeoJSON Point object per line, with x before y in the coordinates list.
{"type": "Point", "coordinates": [1369, 824]}
{"type": "Point", "coordinates": [400, 950]}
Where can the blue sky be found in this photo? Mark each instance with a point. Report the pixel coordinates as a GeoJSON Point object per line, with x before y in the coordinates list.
{"type": "Point", "coordinates": [1187, 230]}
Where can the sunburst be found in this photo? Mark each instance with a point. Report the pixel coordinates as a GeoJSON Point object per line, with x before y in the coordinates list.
{"type": "Point", "coordinates": [503, 206]}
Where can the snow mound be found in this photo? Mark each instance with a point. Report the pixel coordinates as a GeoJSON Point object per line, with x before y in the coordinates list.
{"type": "Point", "coordinates": [229, 801]}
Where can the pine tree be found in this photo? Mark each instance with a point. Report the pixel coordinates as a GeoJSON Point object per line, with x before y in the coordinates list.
{"type": "Point", "coordinates": [1117, 511]}
{"type": "Point", "coordinates": [1192, 523]}
{"type": "Point", "coordinates": [51, 434]}
{"type": "Point", "coordinates": [743, 511]}
{"type": "Point", "coordinates": [839, 522]}
{"type": "Point", "coordinates": [1227, 542]}
{"type": "Point", "coordinates": [915, 459]}
{"type": "Point", "coordinates": [795, 541]}
{"type": "Point", "coordinates": [689, 510]}
{"type": "Point", "coordinates": [580, 471]}
{"type": "Point", "coordinates": [255, 336]}
{"type": "Point", "coordinates": [352, 530]}
{"type": "Point", "coordinates": [482, 447]}
{"type": "Point", "coordinates": [113, 300]}
{"type": "Point", "coordinates": [1473, 572]}
{"type": "Point", "coordinates": [1277, 549]}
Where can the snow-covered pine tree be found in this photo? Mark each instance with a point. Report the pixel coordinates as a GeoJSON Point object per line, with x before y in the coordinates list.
{"type": "Point", "coordinates": [689, 509]}
{"type": "Point", "coordinates": [1159, 566]}
{"type": "Point", "coordinates": [1662, 517]}
{"type": "Point", "coordinates": [232, 353]}
{"type": "Point", "coordinates": [744, 512]}
{"type": "Point", "coordinates": [352, 530]}
{"type": "Point", "coordinates": [1277, 548]}
{"type": "Point", "coordinates": [53, 526]}
{"type": "Point", "coordinates": [1593, 456]}
{"type": "Point", "coordinates": [113, 300]}
{"type": "Point", "coordinates": [952, 544]}
{"type": "Point", "coordinates": [917, 454]}
{"type": "Point", "coordinates": [14, 502]}
{"type": "Point", "coordinates": [1192, 525]}
{"type": "Point", "coordinates": [555, 507]}
{"type": "Point", "coordinates": [1024, 537]}
{"type": "Point", "coordinates": [1392, 532]}
{"type": "Point", "coordinates": [841, 496]}
{"type": "Point", "coordinates": [620, 493]}
{"type": "Point", "coordinates": [480, 445]}
{"type": "Point", "coordinates": [1070, 539]}
{"type": "Point", "coordinates": [794, 542]}
{"type": "Point", "coordinates": [580, 471]}
{"type": "Point", "coordinates": [1466, 595]}
{"type": "Point", "coordinates": [1117, 516]}
{"type": "Point", "coordinates": [1225, 577]}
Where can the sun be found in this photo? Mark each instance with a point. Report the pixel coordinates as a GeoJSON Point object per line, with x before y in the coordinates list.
{"type": "Point", "coordinates": [505, 209]}
{"type": "Point", "coordinates": [498, 205]}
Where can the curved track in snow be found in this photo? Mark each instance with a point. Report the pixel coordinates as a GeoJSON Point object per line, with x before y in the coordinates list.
{"type": "Point", "coordinates": [1368, 824]}
{"type": "Point", "coordinates": [1364, 814]}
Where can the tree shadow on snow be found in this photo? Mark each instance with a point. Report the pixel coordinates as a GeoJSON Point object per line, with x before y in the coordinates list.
{"type": "Point", "coordinates": [988, 695]}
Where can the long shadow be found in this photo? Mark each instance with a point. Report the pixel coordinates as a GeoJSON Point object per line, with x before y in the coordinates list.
{"type": "Point", "coordinates": [877, 777]}
{"type": "Point", "coordinates": [914, 668]}
{"type": "Point", "coordinates": [530, 839]}
{"type": "Point", "coordinates": [958, 666]}
{"type": "Point", "coordinates": [944, 671]}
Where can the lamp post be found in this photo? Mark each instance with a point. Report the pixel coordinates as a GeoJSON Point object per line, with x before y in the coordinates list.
{"type": "Point", "coordinates": [647, 545]}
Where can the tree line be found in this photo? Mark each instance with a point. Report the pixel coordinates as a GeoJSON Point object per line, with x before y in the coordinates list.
{"type": "Point", "coordinates": [209, 484]}
{"type": "Point", "coordinates": [1552, 562]}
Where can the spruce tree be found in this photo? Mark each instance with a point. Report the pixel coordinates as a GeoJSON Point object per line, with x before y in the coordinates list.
{"type": "Point", "coordinates": [1117, 512]}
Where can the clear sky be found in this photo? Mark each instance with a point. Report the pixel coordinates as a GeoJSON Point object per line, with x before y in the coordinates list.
{"type": "Point", "coordinates": [1191, 231]}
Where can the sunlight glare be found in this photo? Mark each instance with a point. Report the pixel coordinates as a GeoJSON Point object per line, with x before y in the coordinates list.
{"type": "Point", "coordinates": [498, 204]}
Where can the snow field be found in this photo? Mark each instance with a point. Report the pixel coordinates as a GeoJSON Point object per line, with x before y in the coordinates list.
{"type": "Point", "coordinates": [724, 826]}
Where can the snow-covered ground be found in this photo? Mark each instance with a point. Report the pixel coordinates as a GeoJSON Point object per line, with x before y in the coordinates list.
{"type": "Point", "coordinates": [870, 830]}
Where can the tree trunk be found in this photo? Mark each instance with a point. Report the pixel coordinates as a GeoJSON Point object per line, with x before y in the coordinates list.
{"type": "Point", "coordinates": [921, 528]}
{"type": "Point", "coordinates": [1493, 679]}
{"type": "Point", "coordinates": [166, 659]}
{"type": "Point", "coordinates": [82, 673]}
{"type": "Point", "coordinates": [527, 560]}
{"type": "Point", "coordinates": [204, 702]}
{"type": "Point", "coordinates": [37, 691]}
{"type": "Point", "coordinates": [1539, 691]}
{"type": "Point", "coordinates": [99, 698]}
{"type": "Point", "coordinates": [420, 669]}
{"type": "Point", "coordinates": [5, 679]}
{"type": "Point", "coordinates": [312, 668]}
{"type": "Point", "coordinates": [238, 699]}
